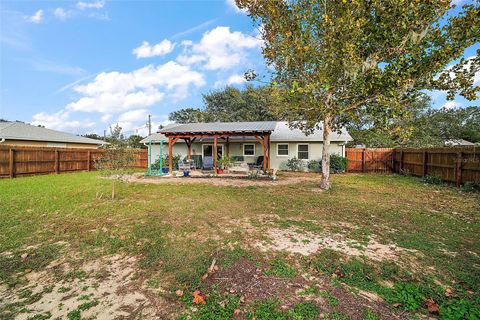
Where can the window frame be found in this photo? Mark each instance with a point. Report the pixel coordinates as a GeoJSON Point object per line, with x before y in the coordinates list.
{"type": "Point", "coordinates": [308, 150]}
{"type": "Point", "coordinates": [288, 150]}
{"type": "Point", "coordinates": [243, 149]}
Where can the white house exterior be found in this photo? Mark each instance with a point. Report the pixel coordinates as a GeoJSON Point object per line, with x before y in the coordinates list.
{"type": "Point", "coordinates": [285, 143]}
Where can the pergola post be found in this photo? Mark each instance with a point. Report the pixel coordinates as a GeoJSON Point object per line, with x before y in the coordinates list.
{"type": "Point", "coordinates": [189, 148]}
{"type": "Point", "coordinates": [228, 146]}
{"type": "Point", "coordinates": [268, 151]}
{"type": "Point", "coordinates": [264, 153]}
{"type": "Point", "coordinates": [215, 154]}
{"type": "Point", "coordinates": [170, 155]}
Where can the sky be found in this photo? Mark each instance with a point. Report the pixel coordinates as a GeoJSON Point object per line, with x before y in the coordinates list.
{"type": "Point", "coordinates": [81, 66]}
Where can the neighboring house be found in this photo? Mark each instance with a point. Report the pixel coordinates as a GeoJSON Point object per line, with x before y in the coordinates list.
{"type": "Point", "coordinates": [285, 143]}
{"type": "Point", "coordinates": [19, 134]}
{"type": "Point", "coordinates": [458, 143]}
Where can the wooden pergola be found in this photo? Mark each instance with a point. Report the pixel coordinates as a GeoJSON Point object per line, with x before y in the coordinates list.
{"type": "Point", "coordinates": [262, 136]}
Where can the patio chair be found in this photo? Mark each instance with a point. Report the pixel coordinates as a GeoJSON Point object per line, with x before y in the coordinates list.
{"type": "Point", "coordinates": [259, 163]}
{"type": "Point", "coordinates": [208, 163]}
{"type": "Point", "coordinates": [181, 165]}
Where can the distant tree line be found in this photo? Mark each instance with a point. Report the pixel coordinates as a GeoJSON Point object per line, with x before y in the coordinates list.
{"type": "Point", "coordinates": [116, 137]}
{"type": "Point", "coordinates": [231, 105]}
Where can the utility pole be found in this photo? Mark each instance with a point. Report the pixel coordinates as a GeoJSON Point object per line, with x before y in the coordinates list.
{"type": "Point", "coordinates": [149, 124]}
{"type": "Point", "coordinates": [104, 134]}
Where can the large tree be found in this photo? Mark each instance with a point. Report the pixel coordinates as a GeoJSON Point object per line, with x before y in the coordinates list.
{"type": "Point", "coordinates": [334, 58]}
{"type": "Point", "coordinates": [231, 105]}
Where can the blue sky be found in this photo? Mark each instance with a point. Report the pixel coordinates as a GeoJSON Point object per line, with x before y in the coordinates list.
{"type": "Point", "coordinates": [79, 66]}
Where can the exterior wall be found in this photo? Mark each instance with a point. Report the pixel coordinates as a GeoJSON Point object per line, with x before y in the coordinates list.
{"type": "Point", "coordinates": [236, 149]}
{"type": "Point", "coordinates": [28, 143]}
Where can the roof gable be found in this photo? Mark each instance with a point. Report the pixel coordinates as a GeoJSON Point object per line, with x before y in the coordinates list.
{"type": "Point", "coordinates": [22, 131]}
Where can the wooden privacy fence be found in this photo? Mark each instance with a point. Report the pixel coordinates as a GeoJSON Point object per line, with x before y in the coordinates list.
{"type": "Point", "coordinates": [22, 161]}
{"type": "Point", "coordinates": [455, 164]}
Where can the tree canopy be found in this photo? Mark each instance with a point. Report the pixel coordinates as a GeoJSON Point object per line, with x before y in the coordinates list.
{"type": "Point", "coordinates": [334, 59]}
{"type": "Point", "coordinates": [231, 105]}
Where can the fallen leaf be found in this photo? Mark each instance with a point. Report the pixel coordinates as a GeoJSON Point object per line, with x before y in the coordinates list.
{"type": "Point", "coordinates": [28, 270]}
{"type": "Point", "coordinates": [236, 312]}
{"type": "Point", "coordinates": [204, 277]}
{"type": "Point", "coordinates": [396, 305]}
{"type": "Point", "coordinates": [123, 237]}
{"type": "Point", "coordinates": [432, 306]}
{"type": "Point", "coordinates": [448, 292]}
{"type": "Point", "coordinates": [179, 293]}
{"type": "Point", "coordinates": [470, 292]}
{"type": "Point", "coordinates": [198, 297]}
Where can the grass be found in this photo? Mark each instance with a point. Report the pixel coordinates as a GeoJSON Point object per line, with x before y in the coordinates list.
{"type": "Point", "coordinates": [176, 230]}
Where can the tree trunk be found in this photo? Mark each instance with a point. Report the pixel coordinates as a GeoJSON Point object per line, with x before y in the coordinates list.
{"type": "Point", "coordinates": [327, 129]}
{"type": "Point", "coordinates": [113, 189]}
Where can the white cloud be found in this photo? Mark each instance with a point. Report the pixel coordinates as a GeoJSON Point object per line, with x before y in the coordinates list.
{"type": "Point", "coordinates": [61, 14]}
{"type": "Point", "coordinates": [105, 118]}
{"type": "Point", "coordinates": [60, 121]}
{"type": "Point", "coordinates": [134, 115]}
{"type": "Point", "coordinates": [113, 92]}
{"type": "Point", "coordinates": [236, 79]}
{"type": "Point", "coordinates": [37, 17]}
{"type": "Point", "coordinates": [233, 5]}
{"type": "Point", "coordinates": [90, 5]}
{"type": "Point", "coordinates": [219, 49]}
{"type": "Point", "coordinates": [146, 50]}
{"type": "Point", "coordinates": [451, 105]}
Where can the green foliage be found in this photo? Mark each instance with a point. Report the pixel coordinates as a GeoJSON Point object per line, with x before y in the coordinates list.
{"type": "Point", "coordinates": [295, 164]}
{"type": "Point", "coordinates": [217, 307]}
{"type": "Point", "coordinates": [133, 141]}
{"type": "Point", "coordinates": [370, 315]}
{"type": "Point", "coordinates": [337, 61]}
{"type": "Point", "coordinates": [409, 295]}
{"type": "Point", "coordinates": [332, 301]}
{"type": "Point", "coordinates": [338, 164]}
{"type": "Point", "coordinates": [231, 105]}
{"type": "Point", "coordinates": [280, 268]}
{"type": "Point", "coordinates": [460, 309]}
{"type": "Point", "coordinates": [304, 311]}
{"type": "Point", "coordinates": [175, 159]}
{"type": "Point", "coordinates": [471, 186]}
{"type": "Point", "coordinates": [432, 179]}
{"type": "Point", "coordinates": [266, 310]}
{"type": "Point", "coordinates": [225, 162]}
{"type": "Point", "coordinates": [314, 166]}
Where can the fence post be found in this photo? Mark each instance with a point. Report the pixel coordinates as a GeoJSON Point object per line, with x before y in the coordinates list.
{"type": "Point", "coordinates": [363, 160]}
{"type": "Point", "coordinates": [57, 160]}
{"type": "Point", "coordinates": [425, 158]}
{"type": "Point", "coordinates": [88, 160]}
{"type": "Point", "coordinates": [401, 162]}
{"type": "Point", "coordinates": [459, 169]}
{"type": "Point", "coordinates": [12, 163]}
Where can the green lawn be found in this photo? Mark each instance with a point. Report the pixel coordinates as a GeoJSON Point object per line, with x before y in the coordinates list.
{"type": "Point", "coordinates": [174, 231]}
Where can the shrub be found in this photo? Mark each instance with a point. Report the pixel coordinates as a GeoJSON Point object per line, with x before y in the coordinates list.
{"type": "Point", "coordinates": [314, 166]}
{"type": "Point", "coordinates": [295, 164]}
{"type": "Point", "coordinates": [432, 179]}
{"type": "Point", "coordinates": [338, 164]}
{"type": "Point", "coordinates": [176, 158]}
{"type": "Point", "coordinates": [471, 186]}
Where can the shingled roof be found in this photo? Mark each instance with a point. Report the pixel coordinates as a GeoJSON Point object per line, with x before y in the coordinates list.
{"type": "Point", "coordinates": [23, 131]}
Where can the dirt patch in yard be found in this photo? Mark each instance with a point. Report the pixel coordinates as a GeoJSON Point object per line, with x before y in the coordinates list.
{"type": "Point", "coordinates": [105, 288]}
{"type": "Point", "coordinates": [247, 279]}
{"type": "Point", "coordinates": [307, 243]}
{"type": "Point", "coordinates": [225, 180]}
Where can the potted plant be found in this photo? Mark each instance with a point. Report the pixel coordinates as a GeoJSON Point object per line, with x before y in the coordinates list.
{"type": "Point", "coordinates": [225, 163]}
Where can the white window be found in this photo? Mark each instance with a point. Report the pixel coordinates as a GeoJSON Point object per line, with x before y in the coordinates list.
{"type": "Point", "coordinates": [248, 149]}
{"type": "Point", "coordinates": [302, 151]}
{"type": "Point", "coordinates": [282, 149]}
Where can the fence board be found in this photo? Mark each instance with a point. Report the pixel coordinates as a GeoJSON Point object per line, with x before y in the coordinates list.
{"type": "Point", "coordinates": [23, 161]}
{"type": "Point", "coordinates": [456, 165]}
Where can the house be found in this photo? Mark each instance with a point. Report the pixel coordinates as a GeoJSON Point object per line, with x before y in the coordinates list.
{"type": "Point", "coordinates": [273, 141]}
{"type": "Point", "coordinates": [20, 134]}
{"type": "Point", "coordinates": [458, 143]}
